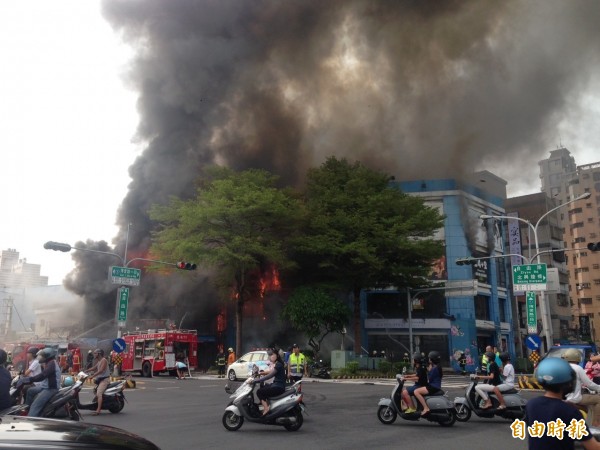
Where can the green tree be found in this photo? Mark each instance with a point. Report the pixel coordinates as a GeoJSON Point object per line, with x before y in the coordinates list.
{"type": "Point", "coordinates": [238, 224]}
{"type": "Point", "coordinates": [315, 313]}
{"type": "Point", "coordinates": [362, 232]}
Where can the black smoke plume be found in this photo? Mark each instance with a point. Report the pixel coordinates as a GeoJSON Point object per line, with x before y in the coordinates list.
{"type": "Point", "coordinates": [417, 88]}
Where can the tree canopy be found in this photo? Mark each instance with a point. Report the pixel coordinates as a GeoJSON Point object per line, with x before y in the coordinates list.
{"type": "Point", "coordinates": [238, 224]}
{"type": "Point", "coordinates": [362, 232]}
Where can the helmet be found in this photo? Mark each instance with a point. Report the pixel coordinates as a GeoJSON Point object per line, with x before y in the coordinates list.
{"type": "Point", "coordinates": [572, 355]}
{"type": "Point", "coordinates": [99, 351]}
{"type": "Point", "coordinates": [33, 350]}
{"type": "Point", "coordinates": [554, 372]}
{"type": "Point", "coordinates": [3, 357]}
{"type": "Point", "coordinates": [504, 356]}
{"type": "Point", "coordinates": [45, 354]}
{"type": "Point", "coordinates": [435, 357]}
{"type": "Point", "coordinates": [417, 357]}
{"type": "Point", "coordinates": [68, 381]}
{"type": "Point", "coordinates": [229, 349]}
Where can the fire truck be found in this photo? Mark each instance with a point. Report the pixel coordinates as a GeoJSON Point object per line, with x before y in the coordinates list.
{"type": "Point", "coordinates": [153, 352]}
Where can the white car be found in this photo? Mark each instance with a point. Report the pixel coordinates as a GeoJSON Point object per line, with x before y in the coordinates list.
{"type": "Point", "coordinates": [242, 368]}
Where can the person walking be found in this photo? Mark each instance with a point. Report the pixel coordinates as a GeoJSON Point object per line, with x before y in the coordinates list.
{"type": "Point", "coordinates": [297, 366]}
{"type": "Point", "coordinates": [221, 362]}
{"type": "Point", "coordinates": [101, 374]}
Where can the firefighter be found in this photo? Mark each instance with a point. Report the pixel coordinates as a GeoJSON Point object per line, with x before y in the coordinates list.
{"type": "Point", "coordinates": [230, 357]}
{"type": "Point", "coordinates": [221, 362]}
{"type": "Point", "coordinates": [76, 362]}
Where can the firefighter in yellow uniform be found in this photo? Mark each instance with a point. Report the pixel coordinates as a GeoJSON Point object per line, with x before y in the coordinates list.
{"type": "Point", "coordinates": [297, 367]}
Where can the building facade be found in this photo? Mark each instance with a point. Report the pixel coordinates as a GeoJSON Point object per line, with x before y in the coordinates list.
{"type": "Point", "coordinates": [563, 179]}
{"type": "Point", "coordinates": [471, 306]}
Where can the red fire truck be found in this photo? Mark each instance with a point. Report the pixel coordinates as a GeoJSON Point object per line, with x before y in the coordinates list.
{"type": "Point", "coordinates": [155, 351]}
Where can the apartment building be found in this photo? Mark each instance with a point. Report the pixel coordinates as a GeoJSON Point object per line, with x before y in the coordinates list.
{"type": "Point", "coordinates": [563, 180]}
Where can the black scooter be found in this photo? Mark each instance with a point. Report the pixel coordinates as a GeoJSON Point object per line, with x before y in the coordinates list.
{"type": "Point", "coordinates": [442, 409]}
{"type": "Point", "coordinates": [515, 404]}
{"type": "Point", "coordinates": [62, 405]}
{"type": "Point", "coordinates": [319, 370]}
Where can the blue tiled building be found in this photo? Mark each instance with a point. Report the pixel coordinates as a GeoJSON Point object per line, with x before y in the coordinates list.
{"type": "Point", "coordinates": [474, 308]}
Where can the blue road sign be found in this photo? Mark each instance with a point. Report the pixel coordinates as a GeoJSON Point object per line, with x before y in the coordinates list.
{"type": "Point", "coordinates": [118, 345]}
{"type": "Point", "coordinates": [533, 342]}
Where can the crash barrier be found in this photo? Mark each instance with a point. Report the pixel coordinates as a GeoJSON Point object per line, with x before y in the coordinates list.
{"type": "Point", "coordinates": [527, 382]}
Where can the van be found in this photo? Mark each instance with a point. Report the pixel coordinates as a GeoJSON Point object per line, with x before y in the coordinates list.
{"type": "Point", "coordinates": [556, 351]}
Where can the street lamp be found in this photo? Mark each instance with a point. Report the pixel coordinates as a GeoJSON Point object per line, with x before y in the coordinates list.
{"type": "Point", "coordinates": [546, 319]}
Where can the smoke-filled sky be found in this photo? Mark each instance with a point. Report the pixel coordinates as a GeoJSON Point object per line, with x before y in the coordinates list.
{"type": "Point", "coordinates": [417, 88]}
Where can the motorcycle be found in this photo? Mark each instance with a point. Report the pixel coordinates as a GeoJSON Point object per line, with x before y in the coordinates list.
{"type": "Point", "coordinates": [515, 404]}
{"type": "Point", "coordinates": [113, 398]}
{"type": "Point", "coordinates": [442, 409]}
{"type": "Point", "coordinates": [285, 409]}
{"type": "Point", "coordinates": [62, 405]}
{"type": "Point", "coordinates": [319, 370]}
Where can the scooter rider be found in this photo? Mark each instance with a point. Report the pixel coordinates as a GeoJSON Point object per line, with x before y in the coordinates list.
{"type": "Point", "coordinates": [101, 374]}
{"type": "Point", "coordinates": [573, 357]}
{"type": "Point", "coordinates": [33, 368]}
{"type": "Point", "coordinates": [494, 380]}
{"type": "Point", "coordinates": [275, 388]}
{"type": "Point", "coordinates": [557, 377]}
{"type": "Point", "coordinates": [420, 379]}
{"type": "Point", "coordinates": [434, 381]}
{"type": "Point", "coordinates": [508, 377]}
{"type": "Point", "coordinates": [38, 396]}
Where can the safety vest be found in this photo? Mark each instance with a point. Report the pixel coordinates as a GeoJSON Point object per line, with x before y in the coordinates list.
{"type": "Point", "coordinates": [297, 364]}
{"type": "Point", "coordinates": [221, 360]}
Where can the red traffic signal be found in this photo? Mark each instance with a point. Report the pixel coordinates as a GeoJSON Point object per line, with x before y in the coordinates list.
{"type": "Point", "coordinates": [186, 265]}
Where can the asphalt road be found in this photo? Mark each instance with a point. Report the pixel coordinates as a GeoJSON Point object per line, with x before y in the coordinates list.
{"type": "Point", "coordinates": [186, 414]}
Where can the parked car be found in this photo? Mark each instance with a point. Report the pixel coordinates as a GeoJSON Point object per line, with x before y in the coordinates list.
{"type": "Point", "coordinates": [32, 433]}
{"type": "Point", "coordinates": [242, 368]}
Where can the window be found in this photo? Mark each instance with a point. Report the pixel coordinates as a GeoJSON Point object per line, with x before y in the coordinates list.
{"type": "Point", "coordinates": [579, 239]}
{"type": "Point", "coordinates": [595, 266]}
{"type": "Point", "coordinates": [576, 225]}
{"type": "Point", "coordinates": [502, 307]}
{"type": "Point", "coordinates": [596, 176]}
{"type": "Point", "coordinates": [585, 301]}
{"type": "Point", "coordinates": [561, 300]}
{"type": "Point", "coordinates": [582, 269]}
{"type": "Point", "coordinates": [482, 308]}
{"type": "Point", "coordinates": [575, 211]}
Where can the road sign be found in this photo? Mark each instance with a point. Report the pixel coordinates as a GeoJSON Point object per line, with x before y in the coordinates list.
{"type": "Point", "coordinates": [123, 301]}
{"type": "Point", "coordinates": [533, 342]}
{"type": "Point", "coordinates": [118, 345]}
{"type": "Point", "coordinates": [530, 277]}
{"type": "Point", "coordinates": [531, 312]}
{"type": "Point", "coordinates": [124, 275]}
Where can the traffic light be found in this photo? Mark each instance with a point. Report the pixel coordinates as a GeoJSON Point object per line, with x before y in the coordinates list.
{"type": "Point", "coordinates": [594, 246]}
{"type": "Point", "coordinates": [50, 245]}
{"type": "Point", "coordinates": [186, 265]}
{"type": "Point", "coordinates": [466, 261]}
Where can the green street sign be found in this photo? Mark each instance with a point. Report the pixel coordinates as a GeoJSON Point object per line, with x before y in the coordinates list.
{"type": "Point", "coordinates": [531, 312]}
{"type": "Point", "coordinates": [125, 275]}
{"type": "Point", "coordinates": [123, 302]}
{"type": "Point", "coordinates": [530, 277]}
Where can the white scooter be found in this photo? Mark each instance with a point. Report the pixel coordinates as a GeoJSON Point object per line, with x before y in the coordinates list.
{"type": "Point", "coordinates": [442, 409]}
{"type": "Point", "coordinates": [285, 410]}
{"type": "Point", "coordinates": [515, 404]}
